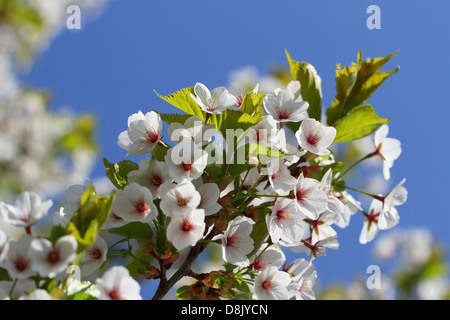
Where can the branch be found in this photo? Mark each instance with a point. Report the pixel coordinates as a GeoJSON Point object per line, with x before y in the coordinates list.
{"type": "Point", "coordinates": [184, 270]}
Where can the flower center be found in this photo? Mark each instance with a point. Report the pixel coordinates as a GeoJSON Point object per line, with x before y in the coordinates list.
{"type": "Point", "coordinates": [233, 241]}
{"type": "Point", "coordinates": [186, 166]}
{"type": "Point", "coordinates": [53, 257]}
{"type": "Point", "coordinates": [282, 215]}
{"type": "Point", "coordinates": [313, 138]}
{"type": "Point", "coordinates": [302, 195]}
{"type": "Point", "coordinates": [20, 264]}
{"type": "Point", "coordinates": [259, 265]}
{"type": "Point", "coordinates": [268, 284]}
{"type": "Point", "coordinates": [182, 202]}
{"type": "Point", "coordinates": [95, 253]}
{"type": "Point", "coordinates": [156, 180]}
{"type": "Point", "coordinates": [283, 114]}
{"type": "Point", "coordinates": [372, 217]}
{"type": "Point", "coordinates": [186, 226]}
{"type": "Point", "coordinates": [141, 207]}
{"type": "Point", "coordinates": [152, 136]}
{"type": "Point", "coordinates": [114, 294]}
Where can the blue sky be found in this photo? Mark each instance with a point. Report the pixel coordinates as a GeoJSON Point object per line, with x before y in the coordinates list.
{"type": "Point", "coordinates": [111, 67]}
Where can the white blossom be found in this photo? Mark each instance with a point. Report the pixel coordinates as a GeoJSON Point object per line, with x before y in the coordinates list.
{"type": "Point", "coordinates": [389, 149]}
{"type": "Point", "coordinates": [286, 105]}
{"type": "Point", "coordinates": [315, 137]}
{"type": "Point", "coordinates": [271, 284]}
{"type": "Point", "coordinates": [176, 199]}
{"type": "Point", "coordinates": [214, 102]}
{"type": "Point", "coordinates": [143, 133]}
{"type": "Point", "coordinates": [49, 260]}
{"type": "Point", "coordinates": [187, 228]}
{"type": "Point", "coordinates": [117, 284]}
{"type": "Point", "coordinates": [186, 161]}
{"type": "Point", "coordinates": [28, 210]}
{"type": "Point", "coordinates": [134, 203]}
{"type": "Point", "coordinates": [94, 256]}
{"type": "Point", "coordinates": [151, 174]}
{"type": "Point", "coordinates": [236, 242]}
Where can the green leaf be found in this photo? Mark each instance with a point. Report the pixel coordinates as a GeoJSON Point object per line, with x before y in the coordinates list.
{"type": "Point", "coordinates": [136, 267]}
{"type": "Point", "coordinates": [159, 152]}
{"type": "Point", "coordinates": [170, 118]}
{"type": "Point", "coordinates": [134, 230]}
{"type": "Point", "coordinates": [252, 102]}
{"type": "Point", "coordinates": [356, 83]}
{"type": "Point", "coordinates": [311, 85]}
{"type": "Point", "coordinates": [4, 275]}
{"type": "Point", "coordinates": [90, 217]}
{"type": "Point", "coordinates": [118, 172]}
{"type": "Point", "coordinates": [235, 120]}
{"type": "Point", "coordinates": [259, 234]}
{"type": "Point", "coordinates": [358, 123]}
{"type": "Point", "coordinates": [57, 232]}
{"type": "Point", "coordinates": [182, 100]}
{"type": "Point", "coordinates": [264, 153]}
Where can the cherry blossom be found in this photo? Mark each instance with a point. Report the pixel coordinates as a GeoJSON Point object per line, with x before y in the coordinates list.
{"type": "Point", "coordinates": [315, 137]}
{"type": "Point", "coordinates": [284, 223]}
{"type": "Point", "coordinates": [117, 284]}
{"type": "Point", "coordinates": [151, 174]}
{"type": "Point", "coordinates": [280, 177]}
{"type": "Point", "coordinates": [18, 261]}
{"type": "Point", "coordinates": [143, 133]}
{"type": "Point", "coordinates": [209, 195]}
{"type": "Point", "coordinates": [370, 226]}
{"type": "Point", "coordinates": [389, 149]}
{"type": "Point", "coordinates": [304, 278]}
{"type": "Point", "coordinates": [311, 199]}
{"type": "Point", "coordinates": [94, 257]}
{"type": "Point", "coordinates": [286, 105]}
{"type": "Point", "coordinates": [272, 284]}
{"type": "Point", "coordinates": [186, 161]}
{"type": "Point", "coordinates": [187, 228]}
{"type": "Point", "coordinates": [236, 242]}
{"type": "Point", "coordinates": [317, 249]}
{"type": "Point", "coordinates": [49, 260]}
{"type": "Point", "coordinates": [264, 132]}
{"type": "Point", "coordinates": [268, 256]}
{"type": "Point", "coordinates": [28, 210]}
{"type": "Point", "coordinates": [177, 199]}
{"type": "Point", "coordinates": [134, 203]}
{"type": "Point", "coordinates": [213, 102]}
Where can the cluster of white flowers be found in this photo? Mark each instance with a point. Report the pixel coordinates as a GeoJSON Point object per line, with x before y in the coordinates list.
{"type": "Point", "coordinates": [31, 135]}
{"type": "Point", "coordinates": [301, 211]}
{"type": "Point", "coordinates": [32, 256]}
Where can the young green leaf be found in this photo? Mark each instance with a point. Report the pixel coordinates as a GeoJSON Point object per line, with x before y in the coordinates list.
{"type": "Point", "coordinates": [182, 100]}
{"type": "Point", "coordinates": [90, 217]}
{"type": "Point", "coordinates": [134, 230]}
{"type": "Point", "coordinates": [356, 83]}
{"type": "Point", "coordinates": [311, 85]}
{"type": "Point", "coordinates": [118, 172]}
{"type": "Point", "coordinates": [170, 118]}
{"type": "Point", "coordinates": [252, 102]}
{"type": "Point", "coordinates": [358, 123]}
